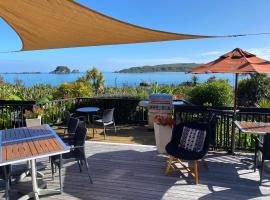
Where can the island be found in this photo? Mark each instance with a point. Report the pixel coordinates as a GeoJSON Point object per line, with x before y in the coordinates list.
{"type": "Point", "coordinates": [61, 70]}
{"type": "Point", "coordinates": [75, 71]}
{"type": "Point", "coordinates": [176, 67]}
{"type": "Point", "coordinates": [64, 70]}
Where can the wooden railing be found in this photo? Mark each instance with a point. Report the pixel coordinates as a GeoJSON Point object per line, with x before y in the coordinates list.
{"type": "Point", "coordinates": [127, 111]}
{"type": "Point", "coordinates": [224, 120]}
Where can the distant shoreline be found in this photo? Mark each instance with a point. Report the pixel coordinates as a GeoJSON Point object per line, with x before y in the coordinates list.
{"type": "Point", "coordinates": [176, 67]}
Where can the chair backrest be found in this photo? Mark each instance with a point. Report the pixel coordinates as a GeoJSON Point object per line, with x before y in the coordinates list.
{"type": "Point", "coordinates": [107, 115]}
{"type": "Point", "coordinates": [266, 147]}
{"type": "Point", "coordinates": [79, 142]}
{"type": "Point", "coordinates": [66, 117]}
{"type": "Point", "coordinates": [33, 122]}
{"type": "Point", "coordinates": [73, 125]}
{"type": "Point", "coordinates": [4, 172]}
{"type": "Point", "coordinates": [212, 120]}
{"type": "Point", "coordinates": [178, 129]}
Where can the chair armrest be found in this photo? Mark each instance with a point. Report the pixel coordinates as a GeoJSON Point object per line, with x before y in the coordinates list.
{"type": "Point", "coordinates": [76, 147]}
{"type": "Point", "coordinates": [80, 117]}
{"type": "Point", "coordinates": [59, 127]}
{"type": "Point", "coordinates": [96, 117]}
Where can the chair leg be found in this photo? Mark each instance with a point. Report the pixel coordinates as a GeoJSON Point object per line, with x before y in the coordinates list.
{"type": "Point", "coordinates": [255, 161]}
{"type": "Point", "coordinates": [6, 175]}
{"type": "Point", "coordinates": [80, 167]}
{"type": "Point", "coordinates": [93, 127]}
{"type": "Point", "coordinates": [204, 164]}
{"type": "Point", "coordinates": [114, 127]}
{"type": "Point", "coordinates": [60, 174]}
{"type": "Point", "coordinates": [104, 132]}
{"type": "Point", "coordinates": [88, 171]}
{"type": "Point", "coordinates": [52, 169]}
{"type": "Point", "coordinates": [169, 163]}
{"type": "Point", "coordinates": [196, 175]}
{"type": "Point", "coordinates": [261, 171]}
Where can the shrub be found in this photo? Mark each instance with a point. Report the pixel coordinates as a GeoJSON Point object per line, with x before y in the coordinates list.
{"type": "Point", "coordinates": [264, 103]}
{"type": "Point", "coordinates": [73, 89]}
{"type": "Point", "coordinates": [251, 90]}
{"type": "Point", "coordinates": [216, 93]}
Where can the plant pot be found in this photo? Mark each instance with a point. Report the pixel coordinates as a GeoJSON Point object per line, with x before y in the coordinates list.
{"type": "Point", "coordinates": [33, 122]}
{"type": "Point", "coordinates": [163, 136]}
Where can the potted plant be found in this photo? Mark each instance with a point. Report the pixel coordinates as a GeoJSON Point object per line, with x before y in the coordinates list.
{"type": "Point", "coordinates": [163, 125]}
{"type": "Point", "coordinates": [33, 117]}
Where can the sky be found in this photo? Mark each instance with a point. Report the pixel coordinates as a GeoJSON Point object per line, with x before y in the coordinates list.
{"type": "Point", "coordinates": [208, 17]}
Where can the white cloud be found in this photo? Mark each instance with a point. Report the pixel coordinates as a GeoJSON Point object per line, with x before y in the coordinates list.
{"type": "Point", "coordinates": [149, 61]}
{"type": "Point", "coordinates": [211, 53]}
{"type": "Point", "coordinates": [263, 52]}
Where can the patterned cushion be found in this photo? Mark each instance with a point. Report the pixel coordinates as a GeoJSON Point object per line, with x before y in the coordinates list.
{"type": "Point", "coordinates": [192, 139]}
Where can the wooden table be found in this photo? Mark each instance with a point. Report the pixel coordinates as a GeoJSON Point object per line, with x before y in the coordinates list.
{"type": "Point", "coordinates": [256, 128]}
{"type": "Point", "coordinates": [29, 144]}
{"type": "Point", "coordinates": [253, 127]}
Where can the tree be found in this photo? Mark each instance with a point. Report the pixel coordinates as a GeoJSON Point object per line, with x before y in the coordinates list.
{"type": "Point", "coordinates": [211, 79]}
{"type": "Point", "coordinates": [96, 79]}
{"type": "Point", "coordinates": [194, 80]}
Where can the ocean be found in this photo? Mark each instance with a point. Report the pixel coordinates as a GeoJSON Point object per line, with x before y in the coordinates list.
{"type": "Point", "coordinates": [114, 79]}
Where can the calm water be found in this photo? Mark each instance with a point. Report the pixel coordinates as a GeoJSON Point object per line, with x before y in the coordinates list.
{"type": "Point", "coordinates": [114, 79]}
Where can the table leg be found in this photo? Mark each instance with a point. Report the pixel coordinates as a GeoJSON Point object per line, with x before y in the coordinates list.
{"type": "Point", "coordinates": [34, 179]}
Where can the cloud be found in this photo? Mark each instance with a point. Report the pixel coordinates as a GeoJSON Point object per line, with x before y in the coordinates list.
{"type": "Point", "coordinates": [263, 52]}
{"type": "Point", "coordinates": [149, 61]}
{"type": "Point", "coordinates": [211, 53]}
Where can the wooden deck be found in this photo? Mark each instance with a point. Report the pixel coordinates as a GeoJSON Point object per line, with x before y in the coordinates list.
{"type": "Point", "coordinates": [136, 172]}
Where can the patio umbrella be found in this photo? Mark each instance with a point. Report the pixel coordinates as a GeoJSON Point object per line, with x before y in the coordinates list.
{"type": "Point", "coordinates": [238, 62]}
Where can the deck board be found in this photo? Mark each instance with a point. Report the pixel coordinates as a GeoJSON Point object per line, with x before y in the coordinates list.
{"type": "Point", "coordinates": [136, 172]}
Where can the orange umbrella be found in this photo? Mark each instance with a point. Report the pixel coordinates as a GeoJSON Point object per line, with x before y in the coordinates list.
{"type": "Point", "coordinates": [237, 61]}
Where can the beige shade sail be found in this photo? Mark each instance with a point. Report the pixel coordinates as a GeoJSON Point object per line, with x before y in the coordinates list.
{"type": "Point", "coordinates": [49, 24]}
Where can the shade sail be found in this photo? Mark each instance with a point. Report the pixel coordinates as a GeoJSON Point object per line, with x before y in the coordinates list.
{"type": "Point", "coordinates": [237, 61]}
{"type": "Point", "coordinates": [47, 24]}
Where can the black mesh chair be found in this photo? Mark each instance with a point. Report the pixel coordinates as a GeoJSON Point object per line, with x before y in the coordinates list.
{"type": "Point", "coordinates": [76, 154]}
{"type": "Point", "coordinates": [264, 148]}
{"type": "Point", "coordinates": [66, 119]}
{"type": "Point", "coordinates": [106, 119]}
{"type": "Point", "coordinates": [5, 175]}
{"type": "Point", "coordinates": [73, 123]}
{"type": "Point", "coordinates": [178, 154]}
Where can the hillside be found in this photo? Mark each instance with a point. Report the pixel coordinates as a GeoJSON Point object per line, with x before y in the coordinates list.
{"type": "Point", "coordinates": [177, 67]}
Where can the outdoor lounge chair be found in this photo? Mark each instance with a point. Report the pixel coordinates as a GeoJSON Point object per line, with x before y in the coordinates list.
{"type": "Point", "coordinates": [178, 153]}
{"type": "Point", "coordinates": [106, 119]}
{"type": "Point", "coordinates": [76, 154]}
{"type": "Point", "coordinates": [264, 148]}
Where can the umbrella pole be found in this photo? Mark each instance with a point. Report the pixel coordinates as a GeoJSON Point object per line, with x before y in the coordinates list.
{"type": "Point", "coordinates": [234, 112]}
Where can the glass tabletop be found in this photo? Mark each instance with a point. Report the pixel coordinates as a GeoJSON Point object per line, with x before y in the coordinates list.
{"type": "Point", "coordinates": [87, 109]}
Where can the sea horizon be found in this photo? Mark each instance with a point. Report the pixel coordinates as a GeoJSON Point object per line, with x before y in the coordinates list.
{"type": "Point", "coordinates": [112, 79]}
